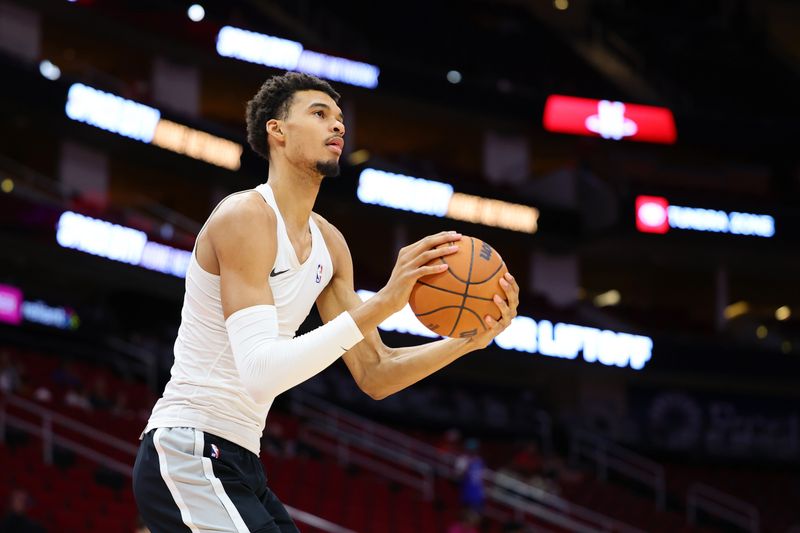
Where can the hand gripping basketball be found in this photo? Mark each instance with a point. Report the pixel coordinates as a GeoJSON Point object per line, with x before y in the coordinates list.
{"type": "Point", "coordinates": [415, 261]}
{"type": "Point", "coordinates": [470, 297]}
{"type": "Point", "coordinates": [508, 311]}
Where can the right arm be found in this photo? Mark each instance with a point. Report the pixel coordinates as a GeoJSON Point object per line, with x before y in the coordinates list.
{"type": "Point", "coordinates": [242, 236]}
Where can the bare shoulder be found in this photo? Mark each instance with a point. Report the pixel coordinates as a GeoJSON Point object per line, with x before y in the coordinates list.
{"type": "Point", "coordinates": [240, 214]}
{"type": "Point", "coordinates": [241, 222]}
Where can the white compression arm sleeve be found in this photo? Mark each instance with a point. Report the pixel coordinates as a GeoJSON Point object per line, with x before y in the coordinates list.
{"type": "Point", "coordinates": [269, 366]}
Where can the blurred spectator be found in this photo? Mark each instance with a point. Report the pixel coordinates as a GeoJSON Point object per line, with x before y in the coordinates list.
{"type": "Point", "coordinates": [469, 468]}
{"type": "Point", "coordinates": [16, 519]}
{"type": "Point", "coordinates": [10, 375]}
{"type": "Point", "coordinates": [43, 394]}
{"type": "Point", "coordinates": [77, 397]}
{"type": "Point", "coordinates": [468, 522]}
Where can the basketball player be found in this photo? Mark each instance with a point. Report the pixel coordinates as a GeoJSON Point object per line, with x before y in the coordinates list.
{"type": "Point", "coordinates": [260, 262]}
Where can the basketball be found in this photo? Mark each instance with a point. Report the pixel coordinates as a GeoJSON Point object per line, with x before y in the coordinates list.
{"type": "Point", "coordinates": [453, 303]}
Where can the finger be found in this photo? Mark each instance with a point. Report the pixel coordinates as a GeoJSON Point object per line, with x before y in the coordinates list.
{"type": "Point", "coordinates": [428, 270]}
{"type": "Point", "coordinates": [510, 279]}
{"type": "Point", "coordinates": [505, 310]}
{"type": "Point", "coordinates": [432, 241]}
{"type": "Point", "coordinates": [510, 287]}
{"type": "Point", "coordinates": [425, 257]}
{"type": "Point", "coordinates": [494, 325]}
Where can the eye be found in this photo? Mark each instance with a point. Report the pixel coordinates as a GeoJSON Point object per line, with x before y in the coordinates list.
{"type": "Point", "coordinates": [320, 114]}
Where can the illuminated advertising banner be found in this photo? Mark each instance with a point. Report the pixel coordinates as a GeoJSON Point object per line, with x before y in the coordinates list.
{"type": "Point", "coordinates": [654, 214]}
{"type": "Point", "coordinates": [439, 199]}
{"type": "Point", "coordinates": [290, 55]}
{"type": "Point", "coordinates": [609, 120]}
{"type": "Point", "coordinates": [559, 340]}
{"type": "Point", "coordinates": [10, 304]}
{"type": "Point", "coordinates": [58, 317]}
{"type": "Point", "coordinates": [144, 123]}
{"type": "Point", "coordinates": [14, 310]}
{"type": "Point", "coordinates": [119, 243]}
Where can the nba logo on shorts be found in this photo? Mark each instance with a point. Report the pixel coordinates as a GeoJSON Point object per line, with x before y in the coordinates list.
{"type": "Point", "coordinates": [319, 273]}
{"type": "Point", "coordinates": [214, 451]}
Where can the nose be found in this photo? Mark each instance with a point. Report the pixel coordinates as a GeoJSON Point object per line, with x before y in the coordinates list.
{"type": "Point", "coordinates": [338, 127]}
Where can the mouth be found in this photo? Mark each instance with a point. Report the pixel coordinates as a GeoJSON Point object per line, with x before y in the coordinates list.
{"type": "Point", "coordinates": [336, 145]}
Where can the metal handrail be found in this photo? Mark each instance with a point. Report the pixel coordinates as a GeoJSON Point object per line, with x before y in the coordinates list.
{"type": "Point", "coordinates": [523, 506]}
{"type": "Point", "coordinates": [80, 427]}
{"type": "Point", "coordinates": [315, 521]}
{"type": "Point", "coordinates": [609, 455]}
{"type": "Point", "coordinates": [302, 402]}
{"type": "Point", "coordinates": [520, 488]}
{"type": "Point", "coordinates": [503, 488]}
{"type": "Point", "coordinates": [424, 485]}
{"type": "Point", "coordinates": [347, 442]}
{"type": "Point", "coordinates": [50, 439]}
{"type": "Point", "coordinates": [722, 505]}
{"type": "Point", "coordinates": [443, 462]}
{"type": "Point", "coordinates": [69, 444]}
{"type": "Point", "coordinates": [379, 449]}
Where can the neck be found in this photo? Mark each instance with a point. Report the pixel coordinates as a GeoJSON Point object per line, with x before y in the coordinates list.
{"type": "Point", "coordinates": [295, 192]}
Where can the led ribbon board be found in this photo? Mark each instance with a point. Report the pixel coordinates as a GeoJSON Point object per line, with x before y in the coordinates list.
{"type": "Point", "coordinates": [290, 55]}
{"type": "Point", "coordinates": [57, 317]}
{"type": "Point", "coordinates": [143, 123]}
{"type": "Point", "coordinates": [14, 309]}
{"type": "Point", "coordinates": [439, 199]}
{"type": "Point", "coordinates": [10, 304]}
{"type": "Point", "coordinates": [560, 340]}
{"type": "Point", "coordinates": [609, 120]}
{"type": "Point", "coordinates": [119, 243]}
{"type": "Point", "coordinates": [654, 214]}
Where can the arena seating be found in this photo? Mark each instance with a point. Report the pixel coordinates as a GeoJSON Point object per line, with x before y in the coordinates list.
{"type": "Point", "coordinates": [347, 496]}
{"type": "Point", "coordinates": [77, 494]}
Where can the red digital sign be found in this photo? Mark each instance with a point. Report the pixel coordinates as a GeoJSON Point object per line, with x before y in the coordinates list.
{"type": "Point", "coordinates": [652, 215]}
{"type": "Point", "coordinates": [609, 120]}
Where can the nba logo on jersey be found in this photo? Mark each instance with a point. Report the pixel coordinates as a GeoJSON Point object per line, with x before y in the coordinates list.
{"type": "Point", "coordinates": [319, 273]}
{"type": "Point", "coordinates": [214, 451]}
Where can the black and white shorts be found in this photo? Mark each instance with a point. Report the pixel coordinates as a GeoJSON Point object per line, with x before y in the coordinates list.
{"type": "Point", "coordinates": [188, 480]}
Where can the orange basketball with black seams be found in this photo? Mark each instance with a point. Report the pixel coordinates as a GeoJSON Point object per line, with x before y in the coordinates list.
{"type": "Point", "coordinates": [454, 302]}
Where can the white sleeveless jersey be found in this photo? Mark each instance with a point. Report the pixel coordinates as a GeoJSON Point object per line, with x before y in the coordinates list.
{"type": "Point", "coordinates": [205, 391]}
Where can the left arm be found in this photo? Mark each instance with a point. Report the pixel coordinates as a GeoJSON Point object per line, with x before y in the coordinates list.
{"type": "Point", "coordinates": [379, 370]}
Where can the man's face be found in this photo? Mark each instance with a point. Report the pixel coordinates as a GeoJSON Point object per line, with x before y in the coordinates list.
{"type": "Point", "coordinates": [314, 132]}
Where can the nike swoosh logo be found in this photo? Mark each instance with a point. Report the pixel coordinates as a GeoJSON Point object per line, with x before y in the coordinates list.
{"type": "Point", "coordinates": [273, 273]}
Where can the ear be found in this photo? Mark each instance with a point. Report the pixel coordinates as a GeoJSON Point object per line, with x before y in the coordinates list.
{"type": "Point", "coordinates": [274, 129]}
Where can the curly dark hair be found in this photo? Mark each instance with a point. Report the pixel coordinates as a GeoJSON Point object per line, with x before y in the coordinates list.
{"type": "Point", "coordinates": [273, 100]}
